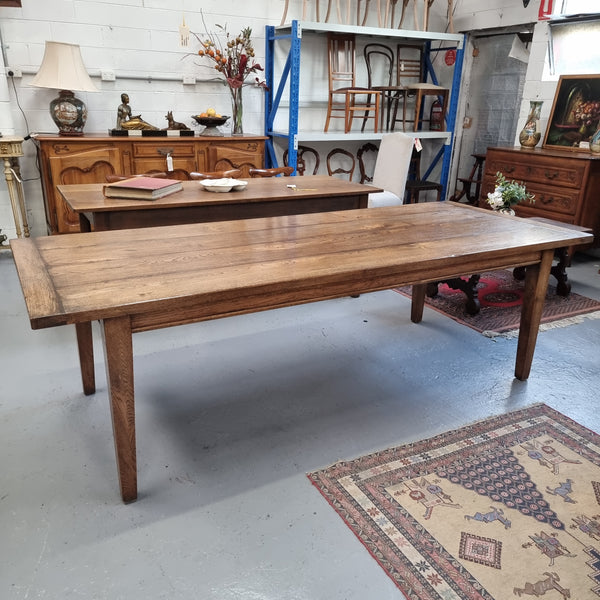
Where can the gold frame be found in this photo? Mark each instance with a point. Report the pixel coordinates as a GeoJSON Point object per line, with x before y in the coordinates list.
{"type": "Point", "coordinates": [565, 130]}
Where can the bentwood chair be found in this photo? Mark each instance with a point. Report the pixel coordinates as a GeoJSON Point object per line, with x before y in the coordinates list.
{"type": "Point", "coordinates": [379, 60]}
{"type": "Point", "coordinates": [341, 54]}
{"type": "Point", "coordinates": [274, 172]}
{"type": "Point", "coordinates": [411, 75]}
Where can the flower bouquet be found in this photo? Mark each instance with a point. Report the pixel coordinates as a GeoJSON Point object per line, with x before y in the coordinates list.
{"type": "Point", "coordinates": [507, 194]}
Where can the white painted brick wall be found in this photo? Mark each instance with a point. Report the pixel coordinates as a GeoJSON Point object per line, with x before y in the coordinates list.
{"type": "Point", "coordinates": [140, 37]}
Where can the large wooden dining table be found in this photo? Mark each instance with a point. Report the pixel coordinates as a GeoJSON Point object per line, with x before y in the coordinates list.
{"type": "Point", "coordinates": [144, 279]}
{"type": "Point", "coordinates": [262, 197]}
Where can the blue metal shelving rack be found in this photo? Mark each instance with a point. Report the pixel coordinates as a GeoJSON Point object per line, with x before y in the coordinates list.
{"type": "Point", "coordinates": [290, 76]}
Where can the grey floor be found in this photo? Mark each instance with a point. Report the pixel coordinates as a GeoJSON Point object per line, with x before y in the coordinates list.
{"type": "Point", "coordinates": [231, 415]}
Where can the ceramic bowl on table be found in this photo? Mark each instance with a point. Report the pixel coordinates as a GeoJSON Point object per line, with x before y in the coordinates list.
{"type": "Point", "coordinates": [210, 124]}
{"type": "Point", "coordinates": [225, 184]}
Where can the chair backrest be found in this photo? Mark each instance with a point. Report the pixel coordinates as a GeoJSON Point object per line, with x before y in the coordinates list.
{"type": "Point", "coordinates": [341, 52]}
{"type": "Point", "coordinates": [379, 59]}
{"type": "Point", "coordinates": [368, 147]}
{"type": "Point", "coordinates": [231, 173]}
{"type": "Point", "coordinates": [410, 65]}
{"type": "Point", "coordinates": [274, 172]}
{"type": "Point", "coordinates": [393, 163]}
{"type": "Point", "coordinates": [301, 161]}
{"type": "Point", "coordinates": [346, 164]}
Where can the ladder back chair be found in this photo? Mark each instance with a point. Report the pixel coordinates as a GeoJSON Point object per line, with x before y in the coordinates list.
{"type": "Point", "coordinates": [341, 53]}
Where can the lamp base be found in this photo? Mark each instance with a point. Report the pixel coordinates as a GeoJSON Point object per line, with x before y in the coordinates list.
{"type": "Point", "coordinates": [69, 113]}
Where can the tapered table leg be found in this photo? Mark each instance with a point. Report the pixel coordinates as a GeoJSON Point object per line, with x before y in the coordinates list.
{"type": "Point", "coordinates": [85, 347]}
{"type": "Point", "coordinates": [536, 285]}
{"type": "Point", "coordinates": [118, 350]}
{"type": "Point", "coordinates": [418, 302]}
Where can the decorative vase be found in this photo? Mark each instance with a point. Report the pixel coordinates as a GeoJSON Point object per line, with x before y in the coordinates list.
{"type": "Point", "coordinates": [237, 111]}
{"type": "Point", "coordinates": [530, 134]}
{"type": "Point", "coordinates": [507, 211]}
{"type": "Point", "coordinates": [595, 142]}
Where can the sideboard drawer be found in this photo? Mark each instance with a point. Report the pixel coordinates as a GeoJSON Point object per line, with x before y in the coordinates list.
{"type": "Point", "coordinates": [554, 199]}
{"type": "Point", "coordinates": [565, 174]}
{"type": "Point", "coordinates": [163, 148]}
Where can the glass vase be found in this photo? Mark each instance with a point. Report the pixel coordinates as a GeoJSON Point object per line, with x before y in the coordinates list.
{"type": "Point", "coordinates": [530, 134]}
{"type": "Point", "coordinates": [237, 111]}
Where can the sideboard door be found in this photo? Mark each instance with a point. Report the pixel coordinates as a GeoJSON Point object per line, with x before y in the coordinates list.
{"type": "Point", "coordinates": [236, 155]}
{"type": "Point", "coordinates": [86, 166]}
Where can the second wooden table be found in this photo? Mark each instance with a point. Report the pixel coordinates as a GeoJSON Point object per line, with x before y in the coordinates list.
{"type": "Point", "coordinates": [263, 197]}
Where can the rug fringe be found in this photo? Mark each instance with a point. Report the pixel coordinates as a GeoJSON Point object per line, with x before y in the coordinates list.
{"type": "Point", "coordinates": [545, 326]}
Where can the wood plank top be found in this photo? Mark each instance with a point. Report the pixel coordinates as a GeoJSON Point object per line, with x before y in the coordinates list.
{"type": "Point", "coordinates": [89, 197]}
{"type": "Point", "coordinates": [170, 275]}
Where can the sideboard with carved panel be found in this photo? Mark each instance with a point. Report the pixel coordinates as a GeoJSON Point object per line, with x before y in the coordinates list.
{"type": "Point", "coordinates": [90, 158]}
{"type": "Point", "coordinates": [566, 184]}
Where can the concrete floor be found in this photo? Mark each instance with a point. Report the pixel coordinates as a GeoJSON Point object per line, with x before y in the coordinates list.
{"type": "Point", "coordinates": [231, 415]}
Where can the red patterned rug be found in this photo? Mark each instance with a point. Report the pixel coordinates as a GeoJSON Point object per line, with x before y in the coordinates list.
{"type": "Point", "coordinates": [500, 296]}
{"type": "Point", "coordinates": [497, 509]}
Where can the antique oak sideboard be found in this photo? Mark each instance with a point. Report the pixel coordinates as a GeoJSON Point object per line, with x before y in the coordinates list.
{"type": "Point", "coordinates": [566, 183]}
{"type": "Point", "coordinates": [90, 158]}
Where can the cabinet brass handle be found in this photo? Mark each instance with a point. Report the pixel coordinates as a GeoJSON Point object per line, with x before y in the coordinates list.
{"type": "Point", "coordinates": [550, 175]}
{"type": "Point", "coordinates": [165, 151]}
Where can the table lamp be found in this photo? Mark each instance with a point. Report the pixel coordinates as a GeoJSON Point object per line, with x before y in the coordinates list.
{"type": "Point", "coordinates": [62, 68]}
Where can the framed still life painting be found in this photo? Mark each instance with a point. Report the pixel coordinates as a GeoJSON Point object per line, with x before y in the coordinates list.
{"type": "Point", "coordinates": [575, 113]}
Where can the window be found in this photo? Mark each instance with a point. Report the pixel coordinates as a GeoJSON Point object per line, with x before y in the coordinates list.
{"type": "Point", "coordinates": [563, 8]}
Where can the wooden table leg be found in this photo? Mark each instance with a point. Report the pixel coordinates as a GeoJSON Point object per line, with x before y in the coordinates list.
{"type": "Point", "coordinates": [85, 347]}
{"type": "Point", "coordinates": [118, 350]}
{"type": "Point", "coordinates": [418, 302]}
{"type": "Point", "coordinates": [536, 284]}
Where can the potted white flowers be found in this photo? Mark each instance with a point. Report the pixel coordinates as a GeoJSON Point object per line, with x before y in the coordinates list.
{"type": "Point", "coordinates": [507, 194]}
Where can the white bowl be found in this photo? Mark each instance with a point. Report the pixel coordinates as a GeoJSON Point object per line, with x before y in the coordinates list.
{"type": "Point", "coordinates": [223, 185]}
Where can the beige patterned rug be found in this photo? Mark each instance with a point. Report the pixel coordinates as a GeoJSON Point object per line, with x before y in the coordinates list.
{"type": "Point", "coordinates": [500, 509]}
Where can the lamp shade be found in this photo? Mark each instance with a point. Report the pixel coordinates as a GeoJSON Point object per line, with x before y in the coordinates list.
{"type": "Point", "coordinates": [62, 69]}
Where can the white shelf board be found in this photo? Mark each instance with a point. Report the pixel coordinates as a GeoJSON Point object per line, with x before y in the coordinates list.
{"type": "Point", "coordinates": [340, 136]}
{"type": "Point", "coordinates": [318, 27]}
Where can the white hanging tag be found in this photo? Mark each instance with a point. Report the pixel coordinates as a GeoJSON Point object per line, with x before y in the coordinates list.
{"type": "Point", "coordinates": [418, 146]}
{"type": "Point", "coordinates": [169, 162]}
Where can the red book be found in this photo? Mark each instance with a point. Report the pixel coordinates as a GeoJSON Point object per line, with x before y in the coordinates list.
{"type": "Point", "coordinates": [144, 188]}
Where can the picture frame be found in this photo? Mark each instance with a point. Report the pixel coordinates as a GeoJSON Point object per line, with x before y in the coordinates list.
{"type": "Point", "coordinates": [575, 113]}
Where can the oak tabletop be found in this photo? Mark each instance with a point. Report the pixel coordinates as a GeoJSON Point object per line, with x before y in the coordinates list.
{"type": "Point", "coordinates": [89, 197]}
{"type": "Point", "coordinates": [230, 267]}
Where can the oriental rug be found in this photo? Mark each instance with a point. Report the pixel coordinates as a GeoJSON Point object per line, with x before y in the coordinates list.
{"type": "Point", "coordinates": [500, 296]}
{"type": "Point", "coordinates": [505, 507]}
